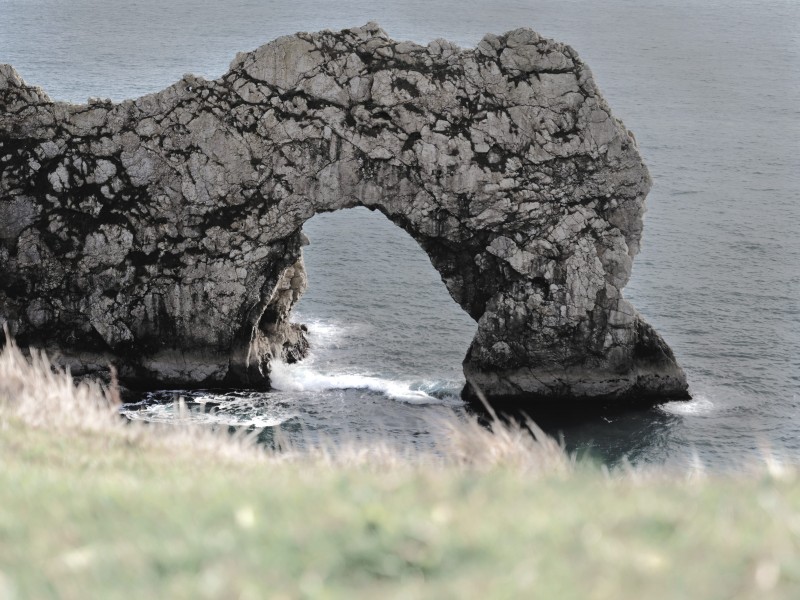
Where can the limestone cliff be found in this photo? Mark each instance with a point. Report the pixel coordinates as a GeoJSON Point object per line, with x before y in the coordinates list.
{"type": "Point", "coordinates": [164, 234]}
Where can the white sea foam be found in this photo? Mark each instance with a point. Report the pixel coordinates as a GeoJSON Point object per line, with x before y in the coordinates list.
{"type": "Point", "coordinates": [166, 413]}
{"type": "Point", "coordinates": [323, 334]}
{"type": "Point", "coordinates": [326, 336]}
{"type": "Point", "coordinates": [699, 405]}
{"type": "Point", "coordinates": [302, 378]}
{"type": "Point", "coordinates": [227, 411]}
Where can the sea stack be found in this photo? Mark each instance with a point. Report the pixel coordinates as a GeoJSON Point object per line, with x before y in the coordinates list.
{"type": "Point", "coordinates": [163, 235]}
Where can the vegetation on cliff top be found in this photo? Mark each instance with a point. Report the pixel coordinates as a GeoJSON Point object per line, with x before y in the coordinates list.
{"type": "Point", "coordinates": [93, 507]}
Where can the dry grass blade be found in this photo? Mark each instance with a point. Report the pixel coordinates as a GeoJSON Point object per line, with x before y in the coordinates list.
{"type": "Point", "coordinates": [39, 395]}
{"type": "Point", "coordinates": [35, 393]}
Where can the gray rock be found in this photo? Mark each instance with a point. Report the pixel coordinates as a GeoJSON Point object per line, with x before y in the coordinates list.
{"type": "Point", "coordinates": [164, 234]}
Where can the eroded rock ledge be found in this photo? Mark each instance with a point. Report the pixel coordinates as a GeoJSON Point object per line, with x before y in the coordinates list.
{"type": "Point", "coordinates": [164, 234]}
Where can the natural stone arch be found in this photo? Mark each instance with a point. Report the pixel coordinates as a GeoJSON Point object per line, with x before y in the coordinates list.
{"type": "Point", "coordinates": [164, 233]}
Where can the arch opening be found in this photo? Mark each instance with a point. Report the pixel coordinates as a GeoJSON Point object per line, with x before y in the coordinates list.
{"type": "Point", "coordinates": [377, 312]}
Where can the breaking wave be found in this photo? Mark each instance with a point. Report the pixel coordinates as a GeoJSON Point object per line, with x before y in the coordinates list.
{"type": "Point", "coordinates": [698, 405]}
{"type": "Point", "coordinates": [303, 378]}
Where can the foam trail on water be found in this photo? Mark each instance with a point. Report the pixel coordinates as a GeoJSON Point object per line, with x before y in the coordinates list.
{"type": "Point", "coordinates": [234, 408]}
{"type": "Point", "coordinates": [167, 413]}
{"type": "Point", "coordinates": [301, 378]}
{"type": "Point", "coordinates": [326, 337]}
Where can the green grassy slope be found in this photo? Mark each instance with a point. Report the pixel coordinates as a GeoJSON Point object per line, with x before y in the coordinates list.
{"type": "Point", "coordinates": [89, 516]}
{"type": "Point", "coordinates": [93, 508]}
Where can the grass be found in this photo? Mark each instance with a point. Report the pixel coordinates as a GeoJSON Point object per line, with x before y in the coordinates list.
{"type": "Point", "coordinates": [93, 508]}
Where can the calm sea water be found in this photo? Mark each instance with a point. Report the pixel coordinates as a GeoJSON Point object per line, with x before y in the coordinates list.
{"type": "Point", "coordinates": [712, 91]}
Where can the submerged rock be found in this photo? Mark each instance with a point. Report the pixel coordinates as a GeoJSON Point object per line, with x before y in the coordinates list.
{"type": "Point", "coordinates": [164, 234]}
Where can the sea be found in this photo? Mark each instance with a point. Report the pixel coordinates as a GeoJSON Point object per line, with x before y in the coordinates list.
{"type": "Point", "coordinates": [711, 90]}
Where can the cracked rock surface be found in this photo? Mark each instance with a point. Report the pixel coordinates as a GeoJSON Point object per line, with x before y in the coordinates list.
{"type": "Point", "coordinates": [164, 234]}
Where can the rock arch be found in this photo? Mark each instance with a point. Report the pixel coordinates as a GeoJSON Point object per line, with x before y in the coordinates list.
{"type": "Point", "coordinates": [164, 233]}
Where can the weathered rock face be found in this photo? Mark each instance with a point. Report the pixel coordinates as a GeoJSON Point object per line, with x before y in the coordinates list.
{"type": "Point", "coordinates": [164, 234]}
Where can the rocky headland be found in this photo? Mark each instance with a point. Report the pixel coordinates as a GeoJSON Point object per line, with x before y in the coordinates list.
{"type": "Point", "coordinates": [163, 234]}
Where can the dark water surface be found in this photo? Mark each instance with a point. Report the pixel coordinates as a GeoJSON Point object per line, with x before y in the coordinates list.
{"type": "Point", "coordinates": [712, 91]}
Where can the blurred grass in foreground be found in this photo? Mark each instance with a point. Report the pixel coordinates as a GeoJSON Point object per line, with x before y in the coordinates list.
{"type": "Point", "coordinates": [93, 508]}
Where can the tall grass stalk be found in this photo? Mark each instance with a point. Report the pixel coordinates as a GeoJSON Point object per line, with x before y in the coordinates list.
{"type": "Point", "coordinates": [37, 394]}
